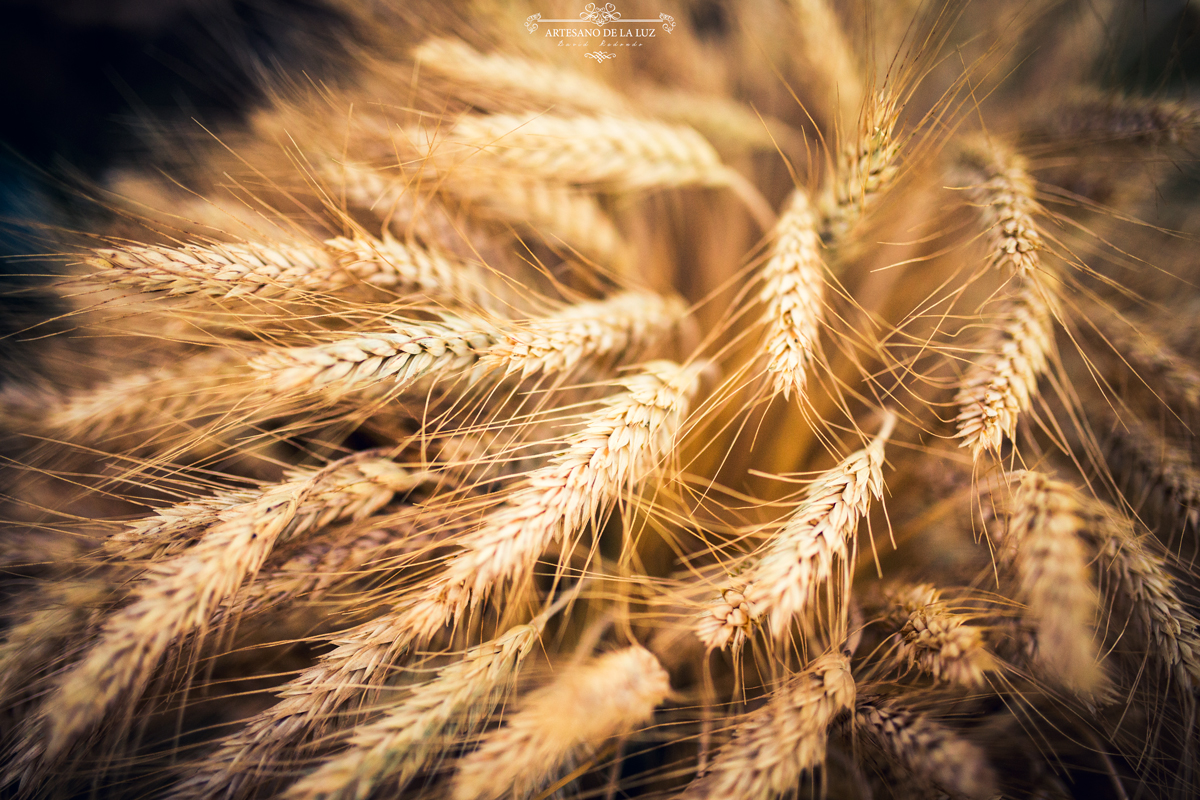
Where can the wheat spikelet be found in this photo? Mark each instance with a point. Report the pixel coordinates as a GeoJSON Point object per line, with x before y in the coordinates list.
{"type": "Point", "coordinates": [502, 79]}
{"type": "Point", "coordinates": [783, 739]}
{"type": "Point", "coordinates": [729, 622]}
{"type": "Point", "coordinates": [617, 447]}
{"type": "Point", "coordinates": [1044, 543]}
{"type": "Point", "coordinates": [784, 582]}
{"type": "Point", "coordinates": [865, 168]}
{"type": "Point", "coordinates": [793, 294]}
{"type": "Point", "coordinates": [573, 716]}
{"type": "Point", "coordinates": [417, 729]}
{"type": "Point", "coordinates": [178, 595]}
{"type": "Point", "coordinates": [933, 755]}
{"type": "Point", "coordinates": [937, 641]}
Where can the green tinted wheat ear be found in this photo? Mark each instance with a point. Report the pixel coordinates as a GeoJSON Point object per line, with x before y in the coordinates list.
{"type": "Point", "coordinates": [866, 167]}
{"type": "Point", "coordinates": [618, 447]}
{"type": "Point", "coordinates": [812, 546]}
{"type": "Point", "coordinates": [934, 756]}
{"type": "Point", "coordinates": [794, 293]}
{"type": "Point", "coordinates": [584, 707]}
{"type": "Point", "coordinates": [777, 743]}
{"type": "Point", "coordinates": [1044, 543]}
{"type": "Point", "coordinates": [179, 595]}
{"type": "Point", "coordinates": [419, 728]}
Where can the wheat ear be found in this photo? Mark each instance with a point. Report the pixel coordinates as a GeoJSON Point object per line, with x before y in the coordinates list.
{"type": "Point", "coordinates": [800, 559]}
{"type": "Point", "coordinates": [865, 168]}
{"type": "Point", "coordinates": [1002, 382]}
{"type": "Point", "coordinates": [179, 595]}
{"type": "Point", "coordinates": [1143, 585]}
{"type": "Point", "coordinates": [794, 293]}
{"type": "Point", "coordinates": [579, 711]}
{"type": "Point", "coordinates": [556, 343]}
{"type": "Point", "coordinates": [147, 405]}
{"type": "Point", "coordinates": [1044, 543]}
{"type": "Point", "coordinates": [935, 757]}
{"type": "Point", "coordinates": [616, 153]}
{"type": "Point", "coordinates": [1090, 118]}
{"type": "Point", "coordinates": [1163, 466]}
{"type": "Point", "coordinates": [825, 50]}
{"type": "Point", "coordinates": [776, 744]}
{"type": "Point", "coordinates": [501, 79]}
{"type": "Point", "coordinates": [618, 447]}
{"type": "Point", "coordinates": [420, 727]}
{"type": "Point", "coordinates": [222, 271]}
{"type": "Point", "coordinates": [937, 641]}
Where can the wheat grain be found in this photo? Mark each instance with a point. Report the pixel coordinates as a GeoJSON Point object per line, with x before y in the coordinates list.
{"type": "Point", "coordinates": [573, 716]}
{"type": "Point", "coordinates": [794, 293]}
{"type": "Point", "coordinates": [417, 729]}
{"type": "Point", "coordinates": [783, 739]}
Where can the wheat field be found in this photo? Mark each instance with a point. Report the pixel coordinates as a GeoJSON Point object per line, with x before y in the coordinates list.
{"type": "Point", "coordinates": [798, 403]}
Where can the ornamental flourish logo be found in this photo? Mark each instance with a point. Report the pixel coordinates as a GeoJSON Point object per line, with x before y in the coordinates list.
{"type": "Point", "coordinates": [600, 25]}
